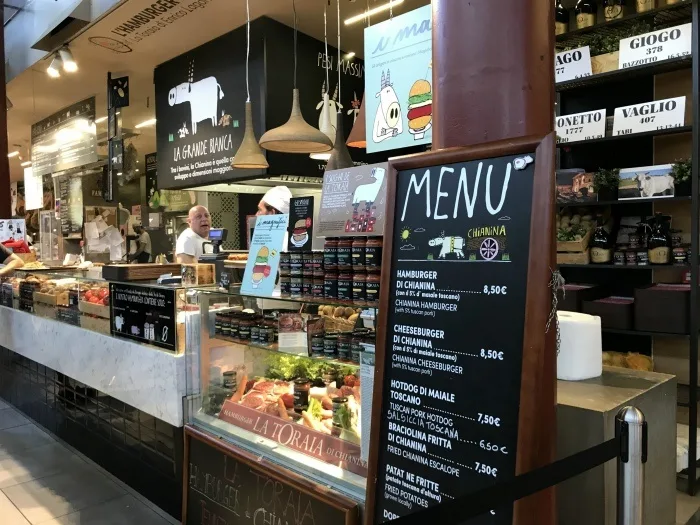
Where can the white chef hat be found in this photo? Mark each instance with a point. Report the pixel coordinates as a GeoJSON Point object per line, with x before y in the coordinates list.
{"type": "Point", "coordinates": [278, 197]}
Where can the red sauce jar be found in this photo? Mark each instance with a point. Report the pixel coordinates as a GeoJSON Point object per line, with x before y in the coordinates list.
{"type": "Point", "coordinates": [345, 254]}
{"type": "Point", "coordinates": [359, 288]}
{"type": "Point", "coordinates": [330, 285]}
{"type": "Point", "coordinates": [373, 254]}
{"type": "Point", "coordinates": [330, 253]}
{"type": "Point", "coordinates": [372, 287]}
{"type": "Point", "coordinates": [358, 254]}
{"type": "Point", "coordinates": [345, 287]}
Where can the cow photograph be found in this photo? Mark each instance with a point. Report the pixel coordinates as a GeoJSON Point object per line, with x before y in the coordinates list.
{"type": "Point", "coordinates": [646, 182]}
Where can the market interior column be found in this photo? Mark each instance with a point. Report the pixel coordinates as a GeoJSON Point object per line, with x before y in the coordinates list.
{"type": "Point", "coordinates": [493, 79]}
{"type": "Point", "coordinates": [5, 196]}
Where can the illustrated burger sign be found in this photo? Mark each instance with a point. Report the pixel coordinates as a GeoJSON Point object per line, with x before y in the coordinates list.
{"type": "Point", "coordinates": [420, 108]}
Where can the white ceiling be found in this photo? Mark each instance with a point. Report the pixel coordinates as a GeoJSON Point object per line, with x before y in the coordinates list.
{"type": "Point", "coordinates": [35, 96]}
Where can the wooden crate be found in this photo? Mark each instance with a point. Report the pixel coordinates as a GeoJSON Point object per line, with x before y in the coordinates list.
{"type": "Point", "coordinates": [60, 298]}
{"type": "Point", "coordinates": [45, 310]}
{"type": "Point", "coordinates": [197, 274]}
{"type": "Point", "coordinates": [137, 272]}
{"type": "Point", "coordinates": [575, 246]}
{"type": "Point", "coordinates": [574, 258]}
{"type": "Point", "coordinates": [98, 310]}
{"type": "Point", "coordinates": [605, 63]}
{"type": "Point", "coordinates": [96, 324]}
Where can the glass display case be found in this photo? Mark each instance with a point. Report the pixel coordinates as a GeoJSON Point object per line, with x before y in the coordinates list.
{"type": "Point", "coordinates": [142, 311]}
{"type": "Point", "coordinates": [288, 380]}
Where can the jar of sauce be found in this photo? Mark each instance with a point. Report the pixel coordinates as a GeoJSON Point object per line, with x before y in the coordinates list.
{"type": "Point", "coordinates": [373, 254]}
{"type": "Point", "coordinates": [244, 328]}
{"type": "Point", "coordinates": [330, 285]}
{"type": "Point", "coordinates": [296, 264]}
{"type": "Point", "coordinates": [356, 348]}
{"type": "Point", "coordinates": [255, 331]}
{"type": "Point", "coordinates": [217, 323]}
{"type": "Point", "coordinates": [330, 253]}
{"type": "Point", "coordinates": [307, 287]}
{"type": "Point", "coordinates": [317, 289]}
{"type": "Point", "coordinates": [296, 287]}
{"type": "Point", "coordinates": [226, 325]}
{"type": "Point", "coordinates": [372, 287]}
{"type": "Point", "coordinates": [317, 261]}
{"type": "Point", "coordinates": [317, 345]}
{"type": "Point", "coordinates": [308, 263]}
{"type": "Point", "coordinates": [285, 286]}
{"type": "Point", "coordinates": [359, 288]}
{"type": "Point", "coordinates": [340, 406]}
{"type": "Point", "coordinates": [345, 286]}
{"type": "Point", "coordinates": [680, 256]}
{"type": "Point", "coordinates": [358, 254]}
{"type": "Point", "coordinates": [302, 386]}
{"type": "Point", "coordinates": [235, 322]}
{"type": "Point", "coordinates": [345, 253]}
{"type": "Point", "coordinates": [284, 263]}
{"type": "Point", "coordinates": [345, 346]}
{"type": "Point", "coordinates": [330, 345]}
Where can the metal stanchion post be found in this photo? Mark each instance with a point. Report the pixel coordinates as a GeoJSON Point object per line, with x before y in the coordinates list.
{"type": "Point", "coordinates": [632, 431]}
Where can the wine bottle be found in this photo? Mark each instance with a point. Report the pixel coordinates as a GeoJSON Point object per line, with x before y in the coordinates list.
{"type": "Point", "coordinates": [659, 244]}
{"type": "Point", "coordinates": [586, 12]}
{"type": "Point", "coordinates": [646, 5]}
{"type": "Point", "coordinates": [614, 9]}
{"type": "Point", "coordinates": [601, 245]}
{"type": "Point", "coordinates": [561, 18]}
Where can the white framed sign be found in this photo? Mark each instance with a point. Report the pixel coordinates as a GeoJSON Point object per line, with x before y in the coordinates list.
{"type": "Point", "coordinates": [575, 63]}
{"type": "Point", "coordinates": [580, 126]}
{"type": "Point", "coordinates": [650, 116]}
{"type": "Point", "coordinates": [672, 42]}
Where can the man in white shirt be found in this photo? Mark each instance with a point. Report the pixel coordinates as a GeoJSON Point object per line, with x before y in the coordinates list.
{"type": "Point", "coordinates": [190, 243]}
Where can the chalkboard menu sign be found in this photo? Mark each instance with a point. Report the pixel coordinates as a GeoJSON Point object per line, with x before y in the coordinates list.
{"type": "Point", "coordinates": [456, 285]}
{"type": "Point", "coordinates": [144, 314]}
{"type": "Point", "coordinates": [224, 485]}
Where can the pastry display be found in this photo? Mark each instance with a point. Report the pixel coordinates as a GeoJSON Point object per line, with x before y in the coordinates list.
{"type": "Point", "coordinates": [631, 360]}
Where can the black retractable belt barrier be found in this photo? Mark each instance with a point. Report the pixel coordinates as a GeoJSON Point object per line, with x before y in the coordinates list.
{"type": "Point", "coordinates": [478, 503]}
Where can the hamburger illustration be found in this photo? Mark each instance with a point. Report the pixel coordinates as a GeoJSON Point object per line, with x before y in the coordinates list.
{"type": "Point", "coordinates": [261, 268]}
{"type": "Point", "coordinates": [420, 108]}
{"type": "Point", "coordinates": [300, 235]}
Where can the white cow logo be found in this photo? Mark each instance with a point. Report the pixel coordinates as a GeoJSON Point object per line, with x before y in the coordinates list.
{"type": "Point", "coordinates": [333, 107]}
{"type": "Point", "coordinates": [368, 192]}
{"type": "Point", "coordinates": [654, 185]}
{"type": "Point", "coordinates": [203, 97]}
{"type": "Point", "coordinates": [449, 245]}
{"type": "Point", "coordinates": [388, 122]}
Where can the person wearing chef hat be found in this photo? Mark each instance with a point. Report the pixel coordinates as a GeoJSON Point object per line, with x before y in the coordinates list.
{"type": "Point", "coordinates": [275, 201]}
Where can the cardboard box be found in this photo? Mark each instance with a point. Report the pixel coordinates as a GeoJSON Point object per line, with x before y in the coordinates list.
{"type": "Point", "coordinates": [197, 274]}
{"type": "Point", "coordinates": [614, 312]}
{"type": "Point", "coordinates": [572, 296]}
{"type": "Point", "coordinates": [663, 308]}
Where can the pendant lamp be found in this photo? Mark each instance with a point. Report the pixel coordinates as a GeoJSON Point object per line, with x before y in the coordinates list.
{"type": "Point", "coordinates": [296, 136]}
{"type": "Point", "coordinates": [325, 121]}
{"type": "Point", "coordinates": [340, 156]}
{"type": "Point", "coordinates": [358, 134]}
{"type": "Point", "coordinates": [249, 154]}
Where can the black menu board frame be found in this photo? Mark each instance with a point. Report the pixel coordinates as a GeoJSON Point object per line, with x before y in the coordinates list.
{"type": "Point", "coordinates": [254, 484]}
{"type": "Point", "coordinates": [534, 401]}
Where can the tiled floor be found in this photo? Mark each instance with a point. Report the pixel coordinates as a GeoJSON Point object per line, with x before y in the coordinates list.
{"type": "Point", "coordinates": [44, 481]}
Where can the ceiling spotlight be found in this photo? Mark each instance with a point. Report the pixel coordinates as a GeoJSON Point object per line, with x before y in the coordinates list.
{"type": "Point", "coordinates": [373, 11]}
{"type": "Point", "coordinates": [12, 154]}
{"type": "Point", "coordinates": [26, 163]}
{"type": "Point", "coordinates": [69, 65]}
{"type": "Point", "coordinates": [350, 54]}
{"type": "Point", "coordinates": [145, 123]}
{"type": "Point", "coordinates": [54, 69]}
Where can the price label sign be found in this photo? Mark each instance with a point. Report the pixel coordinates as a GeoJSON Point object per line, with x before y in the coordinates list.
{"type": "Point", "coordinates": [664, 44]}
{"type": "Point", "coordinates": [650, 116]}
{"type": "Point", "coordinates": [569, 65]}
{"type": "Point", "coordinates": [580, 126]}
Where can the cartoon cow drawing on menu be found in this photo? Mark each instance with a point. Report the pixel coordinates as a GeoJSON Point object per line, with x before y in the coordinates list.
{"type": "Point", "coordinates": [449, 245]}
{"type": "Point", "coordinates": [388, 122]}
{"type": "Point", "coordinates": [203, 97]}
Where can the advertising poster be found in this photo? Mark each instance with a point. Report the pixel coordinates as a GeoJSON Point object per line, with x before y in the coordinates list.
{"type": "Point", "coordinates": [353, 201]}
{"type": "Point", "coordinates": [12, 230]}
{"type": "Point", "coordinates": [264, 255]}
{"type": "Point", "coordinates": [398, 78]}
{"type": "Point", "coordinates": [301, 224]}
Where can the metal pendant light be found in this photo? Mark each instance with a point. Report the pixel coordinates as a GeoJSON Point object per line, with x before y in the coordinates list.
{"type": "Point", "coordinates": [296, 136]}
{"type": "Point", "coordinates": [358, 134]}
{"type": "Point", "coordinates": [325, 121]}
{"type": "Point", "coordinates": [340, 156]}
{"type": "Point", "coordinates": [249, 154]}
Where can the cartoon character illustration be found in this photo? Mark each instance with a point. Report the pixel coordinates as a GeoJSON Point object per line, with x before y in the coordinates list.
{"type": "Point", "coordinates": [261, 268]}
{"type": "Point", "coordinates": [333, 107]}
{"type": "Point", "coordinates": [203, 97]}
{"type": "Point", "coordinates": [119, 322]}
{"type": "Point", "coordinates": [368, 192]}
{"type": "Point", "coordinates": [355, 107]}
{"type": "Point", "coordinates": [183, 131]}
{"type": "Point", "coordinates": [387, 122]}
{"type": "Point", "coordinates": [420, 109]}
{"type": "Point", "coordinates": [300, 234]}
{"type": "Point", "coordinates": [448, 245]}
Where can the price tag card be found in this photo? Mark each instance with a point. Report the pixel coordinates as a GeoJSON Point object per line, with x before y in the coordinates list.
{"type": "Point", "coordinates": [572, 64]}
{"type": "Point", "coordinates": [650, 116]}
{"type": "Point", "coordinates": [673, 42]}
{"type": "Point", "coordinates": [580, 126]}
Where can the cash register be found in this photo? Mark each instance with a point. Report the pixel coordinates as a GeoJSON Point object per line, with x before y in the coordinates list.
{"type": "Point", "coordinates": [217, 236]}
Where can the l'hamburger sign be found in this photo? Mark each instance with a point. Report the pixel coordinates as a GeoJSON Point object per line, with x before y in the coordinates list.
{"type": "Point", "coordinates": [301, 213]}
{"type": "Point", "coordinates": [398, 71]}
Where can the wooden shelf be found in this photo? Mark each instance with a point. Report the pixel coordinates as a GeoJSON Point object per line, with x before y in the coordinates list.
{"type": "Point", "coordinates": [643, 333]}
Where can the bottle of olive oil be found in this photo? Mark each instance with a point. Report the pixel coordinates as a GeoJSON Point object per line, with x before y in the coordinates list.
{"type": "Point", "coordinates": [614, 9]}
{"type": "Point", "coordinates": [561, 18]}
{"type": "Point", "coordinates": [601, 244]}
{"type": "Point", "coordinates": [586, 12]}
